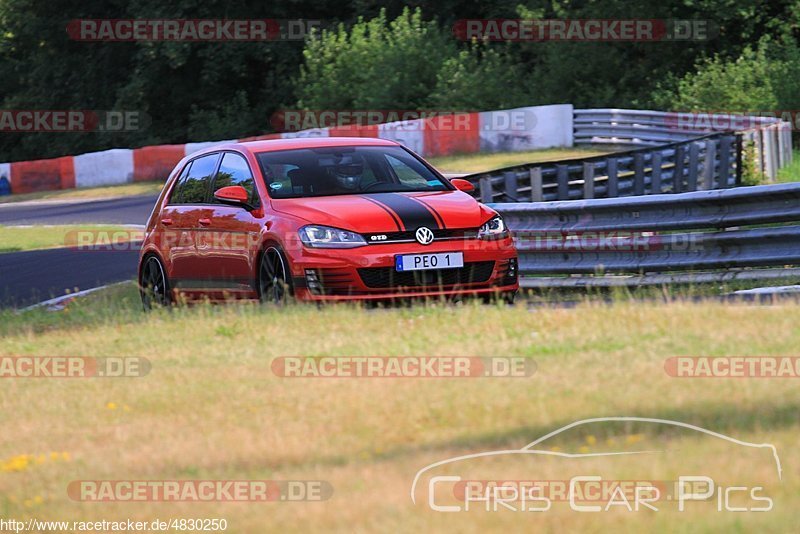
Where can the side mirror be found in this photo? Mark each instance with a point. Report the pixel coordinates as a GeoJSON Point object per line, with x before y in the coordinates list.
{"type": "Point", "coordinates": [233, 194]}
{"type": "Point", "coordinates": [463, 185]}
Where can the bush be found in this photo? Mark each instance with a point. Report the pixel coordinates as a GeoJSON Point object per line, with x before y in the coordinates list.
{"type": "Point", "coordinates": [376, 65]}
{"type": "Point", "coordinates": [479, 78]}
{"type": "Point", "coordinates": [763, 79]}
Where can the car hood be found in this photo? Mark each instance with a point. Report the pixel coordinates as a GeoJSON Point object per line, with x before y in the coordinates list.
{"type": "Point", "coordinates": [389, 212]}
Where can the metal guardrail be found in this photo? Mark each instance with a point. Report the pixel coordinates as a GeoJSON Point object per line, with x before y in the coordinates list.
{"type": "Point", "coordinates": [673, 156]}
{"type": "Point", "coordinates": [707, 162]}
{"type": "Point", "coordinates": [742, 233]}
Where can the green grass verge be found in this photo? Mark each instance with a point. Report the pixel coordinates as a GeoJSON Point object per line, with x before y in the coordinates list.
{"type": "Point", "coordinates": [791, 173]}
{"type": "Point", "coordinates": [21, 238]}
{"type": "Point", "coordinates": [472, 163]}
{"type": "Point", "coordinates": [89, 193]}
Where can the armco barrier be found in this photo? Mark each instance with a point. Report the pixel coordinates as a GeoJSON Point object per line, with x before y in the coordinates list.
{"type": "Point", "coordinates": [688, 237]}
{"type": "Point", "coordinates": [674, 156]}
{"type": "Point", "coordinates": [707, 162]}
{"type": "Point", "coordinates": [771, 137]}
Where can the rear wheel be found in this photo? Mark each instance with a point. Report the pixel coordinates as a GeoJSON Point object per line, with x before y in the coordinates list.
{"type": "Point", "coordinates": [154, 285]}
{"type": "Point", "coordinates": [274, 280]}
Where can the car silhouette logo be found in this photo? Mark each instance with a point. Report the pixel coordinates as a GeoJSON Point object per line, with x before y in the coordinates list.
{"type": "Point", "coordinates": [424, 235]}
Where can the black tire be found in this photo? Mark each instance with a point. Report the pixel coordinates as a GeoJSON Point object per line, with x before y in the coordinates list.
{"type": "Point", "coordinates": [274, 277]}
{"type": "Point", "coordinates": [154, 287]}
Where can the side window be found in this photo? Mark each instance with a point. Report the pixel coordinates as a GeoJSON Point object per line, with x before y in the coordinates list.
{"type": "Point", "coordinates": [194, 188]}
{"type": "Point", "coordinates": [234, 171]}
{"type": "Point", "coordinates": [406, 174]}
{"type": "Point", "coordinates": [175, 195]}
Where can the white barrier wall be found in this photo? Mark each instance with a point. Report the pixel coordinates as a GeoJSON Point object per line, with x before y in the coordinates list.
{"type": "Point", "coordinates": [5, 170]}
{"type": "Point", "coordinates": [313, 132]}
{"type": "Point", "coordinates": [527, 128]}
{"type": "Point", "coordinates": [410, 134]}
{"type": "Point", "coordinates": [110, 167]}
{"type": "Point", "coordinates": [191, 148]}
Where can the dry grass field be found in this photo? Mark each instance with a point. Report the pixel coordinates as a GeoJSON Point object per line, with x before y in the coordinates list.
{"type": "Point", "coordinates": [211, 408]}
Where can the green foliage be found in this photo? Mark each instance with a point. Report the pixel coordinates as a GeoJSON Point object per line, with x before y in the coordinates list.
{"type": "Point", "coordinates": [743, 84]}
{"type": "Point", "coordinates": [377, 56]}
{"type": "Point", "coordinates": [761, 79]}
{"type": "Point", "coordinates": [751, 173]}
{"type": "Point", "coordinates": [479, 78]}
{"type": "Point", "coordinates": [376, 64]}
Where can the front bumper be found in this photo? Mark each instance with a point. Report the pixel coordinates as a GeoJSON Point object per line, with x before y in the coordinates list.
{"type": "Point", "coordinates": [368, 273]}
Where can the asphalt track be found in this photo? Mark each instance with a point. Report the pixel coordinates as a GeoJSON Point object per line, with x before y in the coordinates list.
{"type": "Point", "coordinates": [127, 210]}
{"type": "Point", "coordinates": [30, 277]}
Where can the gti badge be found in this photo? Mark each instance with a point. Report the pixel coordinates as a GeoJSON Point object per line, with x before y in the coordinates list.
{"type": "Point", "coordinates": [424, 235]}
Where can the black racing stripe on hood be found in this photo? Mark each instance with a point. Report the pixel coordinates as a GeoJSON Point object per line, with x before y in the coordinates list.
{"type": "Point", "coordinates": [413, 214]}
{"type": "Point", "coordinates": [435, 213]}
{"type": "Point", "coordinates": [386, 209]}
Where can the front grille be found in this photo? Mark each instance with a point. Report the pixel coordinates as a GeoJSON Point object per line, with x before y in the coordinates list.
{"type": "Point", "coordinates": [409, 235]}
{"type": "Point", "coordinates": [388, 277]}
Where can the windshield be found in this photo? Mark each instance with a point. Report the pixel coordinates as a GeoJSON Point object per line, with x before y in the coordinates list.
{"type": "Point", "coordinates": [312, 172]}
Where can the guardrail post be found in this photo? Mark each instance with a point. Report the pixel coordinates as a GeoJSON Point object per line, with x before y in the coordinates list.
{"type": "Point", "coordinates": [724, 162]}
{"type": "Point", "coordinates": [510, 179]}
{"type": "Point", "coordinates": [769, 167]}
{"type": "Point", "coordinates": [537, 193]}
{"type": "Point", "coordinates": [677, 172]}
{"type": "Point", "coordinates": [562, 176]}
{"type": "Point", "coordinates": [655, 186]}
{"type": "Point", "coordinates": [638, 173]}
{"type": "Point", "coordinates": [613, 178]}
{"type": "Point", "coordinates": [739, 158]}
{"type": "Point", "coordinates": [759, 151]}
{"type": "Point", "coordinates": [709, 163]}
{"type": "Point", "coordinates": [487, 195]}
{"type": "Point", "coordinates": [694, 160]}
{"type": "Point", "coordinates": [588, 179]}
{"type": "Point", "coordinates": [783, 156]}
{"type": "Point", "coordinates": [773, 133]}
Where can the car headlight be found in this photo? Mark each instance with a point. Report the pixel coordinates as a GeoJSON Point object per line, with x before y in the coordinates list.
{"type": "Point", "coordinates": [494, 228]}
{"type": "Point", "coordinates": [326, 237]}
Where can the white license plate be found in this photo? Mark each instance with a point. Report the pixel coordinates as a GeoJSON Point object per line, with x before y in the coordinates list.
{"type": "Point", "coordinates": [421, 262]}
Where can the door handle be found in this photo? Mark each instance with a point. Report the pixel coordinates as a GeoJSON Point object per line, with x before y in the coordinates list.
{"type": "Point", "coordinates": [166, 222]}
{"type": "Point", "coordinates": [204, 222]}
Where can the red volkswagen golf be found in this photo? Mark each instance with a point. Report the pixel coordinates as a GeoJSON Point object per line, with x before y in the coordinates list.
{"type": "Point", "coordinates": [320, 219]}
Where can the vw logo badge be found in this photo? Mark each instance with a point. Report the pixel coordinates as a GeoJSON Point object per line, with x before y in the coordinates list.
{"type": "Point", "coordinates": [424, 235]}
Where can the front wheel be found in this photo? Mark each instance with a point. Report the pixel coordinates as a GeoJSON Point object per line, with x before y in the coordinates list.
{"type": "Point", "coordinates": [274, 280]}
{"type": "Point", "coordinates": [154, 285]}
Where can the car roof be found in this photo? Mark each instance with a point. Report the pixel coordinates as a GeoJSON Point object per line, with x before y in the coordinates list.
{"type": "Point", "coordinates": [273, 145]}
